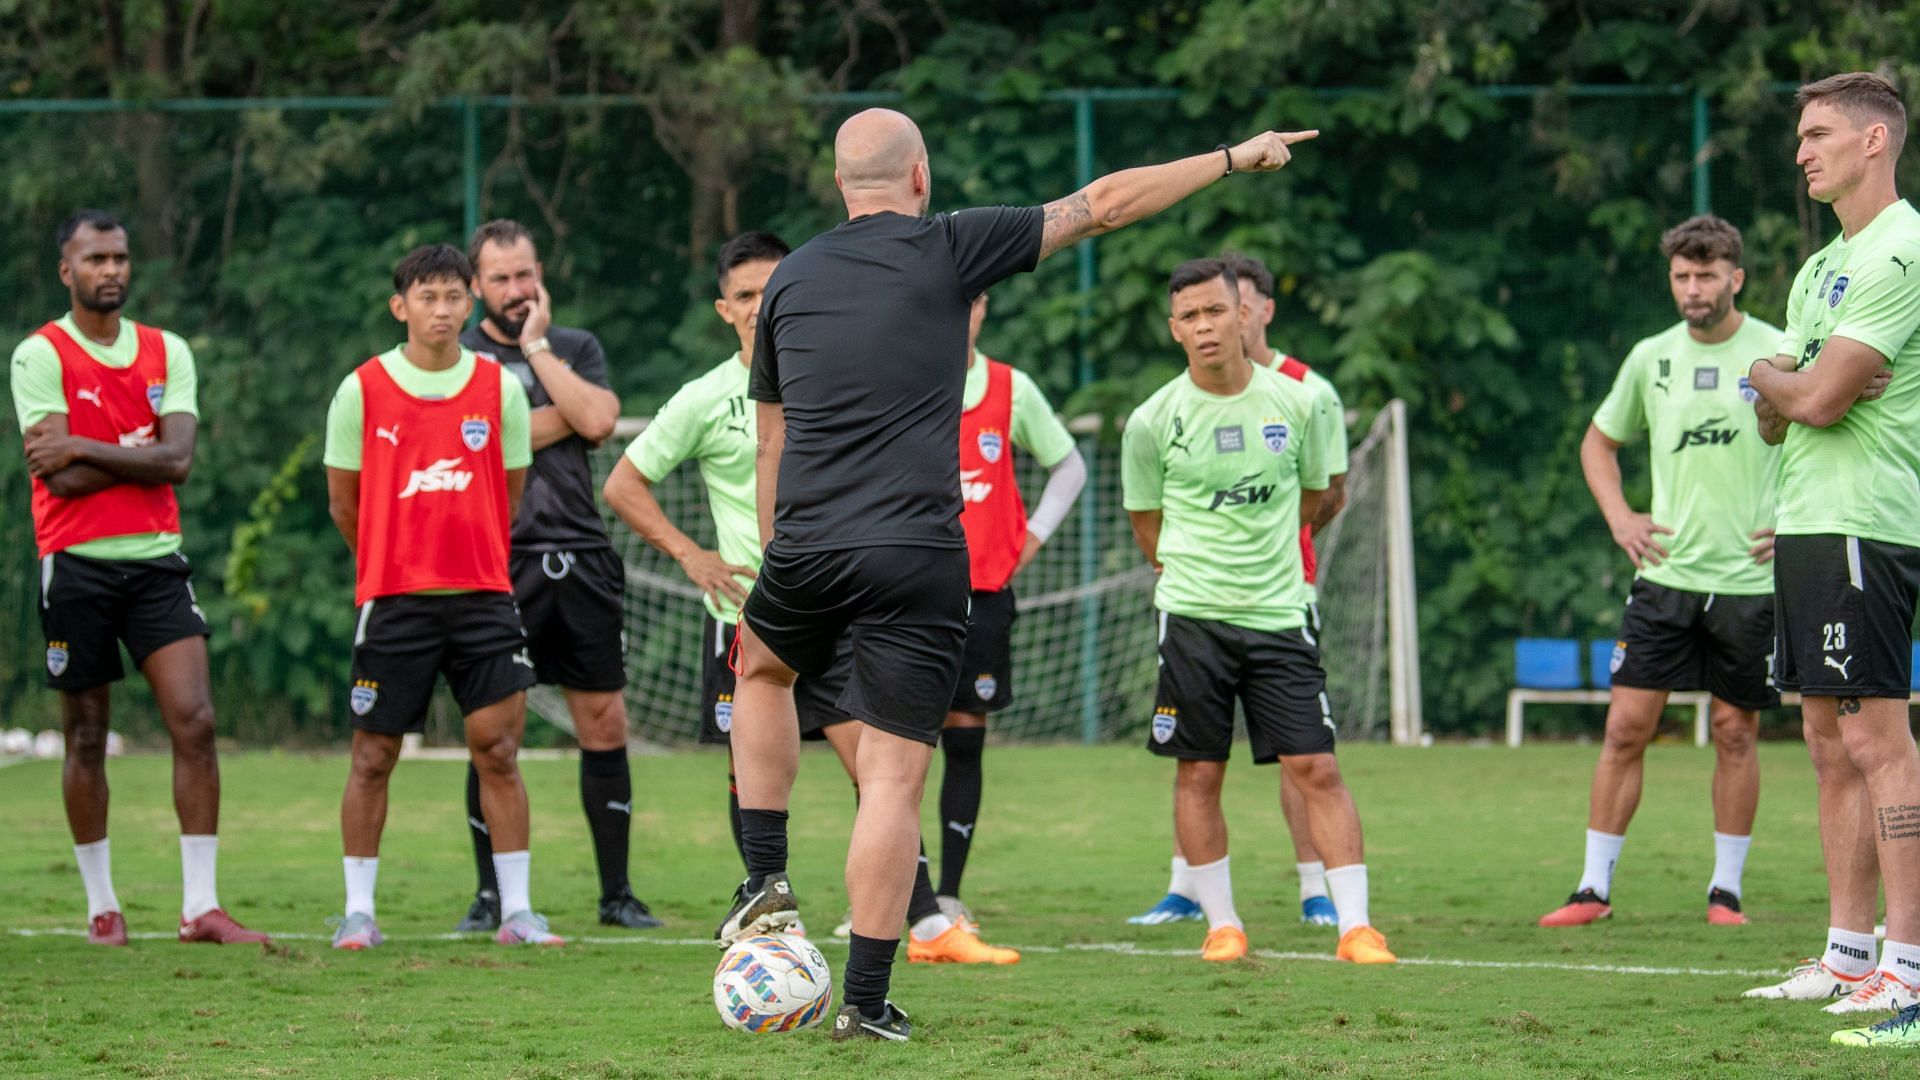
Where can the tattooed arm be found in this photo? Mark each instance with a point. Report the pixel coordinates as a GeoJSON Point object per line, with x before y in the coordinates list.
{"type": "Point", "coordinates": [1120, 199]}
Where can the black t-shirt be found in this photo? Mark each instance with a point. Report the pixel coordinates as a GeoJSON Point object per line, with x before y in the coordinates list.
{"type": "Point", "coordinates": [863, 341]}
{"type": "Point", "coordinates": [557, 512]}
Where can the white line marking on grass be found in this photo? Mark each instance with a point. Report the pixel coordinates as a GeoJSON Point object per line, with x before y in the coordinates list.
{"type": "Point", "coordinates": [1117, 948]}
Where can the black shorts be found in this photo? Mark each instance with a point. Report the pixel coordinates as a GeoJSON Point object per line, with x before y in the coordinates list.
{"type": "Point", "coordinates": [1275, 675]}
{"type": "Point", "coordinates": [1672, 639]}
{"type": "Point", "coordinates": [906, 609]}
{"type": "Point", "coordinates": [986, 667]}
{"type": "Point", "coordinates": [402, 642]}
{"type": "Point", "coordinates": [814, 697]}
{"type": "Point", "coordinates": [88, 607]}
{"type": "Point", "coordinates": [1846, 615]}
{"type": "Point", "coordinates": [570, 607]}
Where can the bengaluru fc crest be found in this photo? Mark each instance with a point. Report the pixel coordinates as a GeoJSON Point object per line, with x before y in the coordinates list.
{"type": "Point", "coordinates": [57, 657]}
{"type": "Point", "coordinates": [1839, 290]}
{"type": "Point", "coordinates": [361, 698]}
{"type": "Point", "coordinates": [474, 431]}
{"type": "Point", "coordinates": [984, 687]}
{"type": "Point", "coordinates": [723, 714]}
{"type": "Point", "coordinates": [1618, 658]}
{"type": "Point", "coordinates": [1164, 722]}
{"type": "Point", "coordinates": [156, 390]}
{"type": "Point", "coordinates": [992, 445]}
{"type": "Point", "coordinates": [1275, 436]}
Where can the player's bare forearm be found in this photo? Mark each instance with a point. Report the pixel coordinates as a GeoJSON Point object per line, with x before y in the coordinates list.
{"type": "Point", "coordinates": [516, 487]}
{"type": "Point", "coordinates": [343, 504]}
{"type": "Point", "coordinates": [1119, 199]}
{"type": "Point", "coordinates": [1773, 426]}
{"type": "Point", "coordinates": [77, 480]}
{"type": "Point", "coordinates": [546, 425]}
{"type": "Point", "coordinates": [630, 494]}
{"type": "Point", "coordinates": [1146, 534]}
{"type": "Point", "coordinates": [1331, 503]}
{"type": "Point", "coordinates": [589, 411]}
{"type": "Point", "coordinates": [771, 420]}
{"type": "Point", "coordinates": [1821, 395]}
{"type": "Point", "coordinates": [168, 459]}
{"type": "Point", "coordinates": [1310, 501]}
{"type": "Point", "coordinates": [1600, 463]}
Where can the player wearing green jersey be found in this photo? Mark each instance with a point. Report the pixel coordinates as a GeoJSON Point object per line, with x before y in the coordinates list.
{"type": "Point", "coordinates": [1847, 570]}
{"type": "Point", "coordinates": [107, 409]}
{"type": "Point", "coordinates": [1700, 613]}
{"type": "Point", "coordinates": [1219, 470]}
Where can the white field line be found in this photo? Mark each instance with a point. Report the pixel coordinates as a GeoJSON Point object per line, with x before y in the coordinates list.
{"type": "Point", "coordinates": [1117, 948]}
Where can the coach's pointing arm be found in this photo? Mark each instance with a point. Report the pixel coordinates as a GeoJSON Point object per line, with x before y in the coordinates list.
{"type": "Point", "coordinates": [1120, 199]}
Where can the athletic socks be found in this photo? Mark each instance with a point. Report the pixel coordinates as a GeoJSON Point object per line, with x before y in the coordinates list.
{"type": "Point", "coordinates": [1213, 889]}
{"type": "Point", "coordinates": [1849, 953]}
{"type": "Point", "coordinates": [361, 874]}
{"type": "Point", "coordinates": [199, 858]}
{"type": "Point", "coordinates": [959, 802]}
{"type": "Point", "coordinates": [606, 793]}
{"type": "Point", "coordinates": [1902, 961]}
{"type": "Point", "coordinates": [1181, 884]}
{"type": "Point", "coordinates": [923, 907]}
{"type": "Point", "coordinates": [733, 814]}
{"type": "Point", "coordinates": [482, 841]}
{"type": "Point", "coordinates": [1729, 862]}
{"type": "Point", "coordinates": [96, 873]}
{"type": "Point", "coordinates": [1313, 879]}
{"type": "Point", "coordinates": [869, 974]}
{"type": "Point", "coordinates": [514, 868]}
{"type": "Point", "coordinates": [1603, 851]}
{"type": "Point", "coordinates": [1348, 887]}
{"type": "Point", "coordinates": [763, 844]}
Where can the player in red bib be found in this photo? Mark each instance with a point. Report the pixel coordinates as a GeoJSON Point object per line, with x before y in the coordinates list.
{"type": "Point", "coordinates": [1002, 409]}
{"type": "Point", "coordinates": [427, 452]}
{"type": "Point", "coordinates": [107, 407]}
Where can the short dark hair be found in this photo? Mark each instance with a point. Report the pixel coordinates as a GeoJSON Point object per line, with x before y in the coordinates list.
{"type": "Point", "coordinates": [1864, 97]}
{"type": "Point", "coordinates": [1249, 269]}
{"type": "Point", "coordinates": [98, 219]}
{"type": "Point", "coordinates": [431, 262]}
{"type": "Point", "coordinates": [1702, 238]}
{"type": "Point", "coordinates": [502, 231]}
{"type": "Point", "coordinates": [752, 246]}
{"type": "Point", "coordinates": [1196, 271]}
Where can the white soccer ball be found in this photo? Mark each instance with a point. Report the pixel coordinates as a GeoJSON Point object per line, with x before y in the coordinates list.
{"type": "Point", "coordinates": [49, 744]}
{"type": "Point", "coordinates": [116, 745]}
{"type": "Point", "coordinates": [16, 741]}
{"type": "Point", "coordinates": [772, 982]}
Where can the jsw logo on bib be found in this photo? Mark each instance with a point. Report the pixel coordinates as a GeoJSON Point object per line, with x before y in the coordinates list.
{"type": "Point", "coordinates": [140, 436]}
{"type": "Point", "coordinates": [972, 490]}
{"type": "Point", "coordinates": [439, 476]}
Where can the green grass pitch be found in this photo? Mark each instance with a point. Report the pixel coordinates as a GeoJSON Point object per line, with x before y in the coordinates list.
{"type": "Point", "coordinates": [1466, 847]}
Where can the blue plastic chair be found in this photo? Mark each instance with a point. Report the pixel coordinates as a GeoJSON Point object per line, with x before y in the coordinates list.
{"type": "Point", "coordinates": [1546, 663]}
{"type": "Point", "coordinates": [1914, 682]}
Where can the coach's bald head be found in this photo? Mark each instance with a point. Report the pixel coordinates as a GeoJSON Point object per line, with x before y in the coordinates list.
{"type": "Point", "coordinates": [880, 163]}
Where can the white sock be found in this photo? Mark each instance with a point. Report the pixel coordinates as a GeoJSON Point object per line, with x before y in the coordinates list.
{"type": "Point", "coordinates": [1849, 953]}
{"type": "Point", "coordinates": [96, 872]}
{"type": "Point", "coordinates": [1729, 861]}
{"type": "Point", "coordinates": [932, 926]}
{"type": "Point", "coordinates": [513, 868]}
{"type": "Point", "coordinates": [199, 856]}
{"type": "Point", "coordinates": [1313, 879]}
{"type": "Point", "coordinates": [1182, 883]}
{"type": "Point", "coordinates": [1902, 961]}
{"type": "Point", "coordinates": [361, 874]}
{"type": "Point", "coordinates": [1213, 890]}
{"type": "Point", "coordinates": [1348, 884]}
{"type": "Point", "coordinates": [1603, 851]}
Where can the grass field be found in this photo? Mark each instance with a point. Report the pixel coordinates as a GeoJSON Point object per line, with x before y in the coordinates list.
{"type": "Point", "coordinates": [1467, 846]}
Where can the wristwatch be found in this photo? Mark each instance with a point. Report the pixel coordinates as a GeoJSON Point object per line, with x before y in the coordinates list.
{"type": "Point", "coordinates": [537, 345]}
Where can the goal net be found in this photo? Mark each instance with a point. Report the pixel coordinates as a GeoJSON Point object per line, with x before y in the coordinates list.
{"type": "Point", "coordinates": [1084, 664]}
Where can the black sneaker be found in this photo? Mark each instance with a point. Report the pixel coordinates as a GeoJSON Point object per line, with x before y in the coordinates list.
{"type": "Point", "coordinates": [891, 1028]}
{"type": "Point", "coordinates": [767, 910]}
{"type": "Point", "coordinates": [627, 910]}
{"type": "Point", "coordinates": [483, 916]}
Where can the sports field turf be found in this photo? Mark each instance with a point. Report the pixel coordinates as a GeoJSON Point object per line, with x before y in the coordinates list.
{"type": "Point", "coordinates": [1467, 846]}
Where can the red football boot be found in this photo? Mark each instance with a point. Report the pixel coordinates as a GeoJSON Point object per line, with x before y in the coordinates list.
{"type": "Point", "coordinates": [218, 927]}
{"type": "Point", "coordinates": [107, 929]}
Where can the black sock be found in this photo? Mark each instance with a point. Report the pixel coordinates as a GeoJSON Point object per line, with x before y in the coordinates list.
{"type": "Point", "coordinates": [763, 840]}
{"type": "Point", "coordinates": [733, 815]}
{"type": "Point", "coordinates": [869, 974]}
{"type": "Point", "coordinates": [482, 842]}
{"type": "Point", "coordinates": [606, 793]}
{"type": "Point", "coordinates": [959, 802]}
{"type": "Point", "coordinates": [921, 902]}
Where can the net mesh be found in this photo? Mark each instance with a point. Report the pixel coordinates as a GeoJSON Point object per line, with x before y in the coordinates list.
{"type": "Point", "coordinates": [1084, 662]}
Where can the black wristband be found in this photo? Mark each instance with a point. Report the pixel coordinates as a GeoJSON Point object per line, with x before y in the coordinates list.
{"type": "Point", "coordinates": [1223, 149]}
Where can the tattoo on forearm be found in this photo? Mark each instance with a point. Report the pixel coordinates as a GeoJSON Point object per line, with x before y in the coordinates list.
{"type": "Point", "coordinates": [1063, 221]}
{"type": "Point", "coordinates": [1899, 822]}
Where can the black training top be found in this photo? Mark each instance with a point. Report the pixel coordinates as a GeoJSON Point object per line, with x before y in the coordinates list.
{"type": "Point", "coordinates": [863, 341]}
{"type": "Point", "coordinates": [557, 512]}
